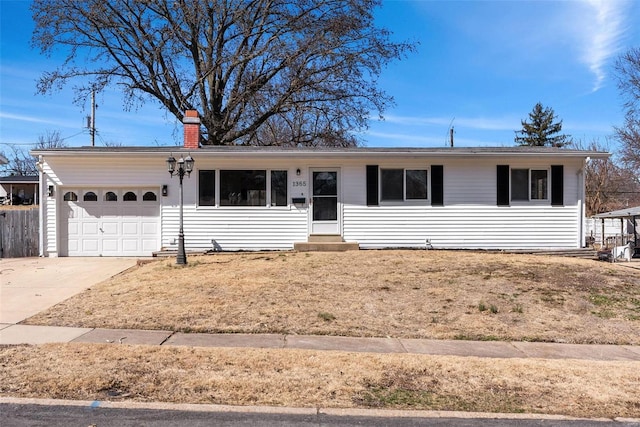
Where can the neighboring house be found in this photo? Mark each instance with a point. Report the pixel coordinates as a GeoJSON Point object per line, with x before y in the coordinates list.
{"type": "Point", "coordinates": [618, 227]}
{"type": "Point", "coordinates": [19, 190]}
{"type": "Point", "coordinates": [118, 201]}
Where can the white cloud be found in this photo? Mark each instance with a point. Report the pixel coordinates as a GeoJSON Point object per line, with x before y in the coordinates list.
{"type": "Point", "coordinates": [601, 32]}
{"type": "Point", "coordinates": [23, 118]}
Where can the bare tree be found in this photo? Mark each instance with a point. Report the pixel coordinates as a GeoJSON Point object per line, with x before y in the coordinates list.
{"type": "Point", "coordinates": [21, 163]}
{"type": "Point", "coordinates": [629, 136]}
{"type": "Point", "coordinates": [52, 139]}
{"type": "Point", "coordinates": [628, 69]}
{"type": "Point", "coordinates": [608, 185]}
{"type": "Point", "coordinates": [243, 64]}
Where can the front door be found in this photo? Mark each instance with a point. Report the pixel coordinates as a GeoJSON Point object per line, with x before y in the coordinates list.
{"type": "Point", "coordinates": [325, 208]}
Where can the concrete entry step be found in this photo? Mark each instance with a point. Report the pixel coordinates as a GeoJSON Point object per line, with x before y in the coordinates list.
{"type": "Point", "coordinates": [325, 246]}
{"type": "Point", "coordinates": [325, 238]}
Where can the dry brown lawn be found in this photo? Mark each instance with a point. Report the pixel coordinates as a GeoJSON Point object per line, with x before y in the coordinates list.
{"type": "Point", "coordinates": [303, 378]}
{"type": "Point", "coordinates": [408, 294]}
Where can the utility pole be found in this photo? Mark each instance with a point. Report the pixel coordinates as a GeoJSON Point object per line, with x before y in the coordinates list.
{"type": "Point", "coordinates": [91, 120]}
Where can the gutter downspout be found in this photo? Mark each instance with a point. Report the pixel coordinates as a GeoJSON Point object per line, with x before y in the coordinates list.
{"type": "Point", "coordinates": [581, 203]}
{"type": "Point", "coordinates": [42, 207]}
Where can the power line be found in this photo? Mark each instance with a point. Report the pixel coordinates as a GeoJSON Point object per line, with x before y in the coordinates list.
{"type": "Point", "coordinates": [26, 144]}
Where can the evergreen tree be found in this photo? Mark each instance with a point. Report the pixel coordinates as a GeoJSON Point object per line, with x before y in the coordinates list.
{"type": "Point", "coordinates": [542, 129]}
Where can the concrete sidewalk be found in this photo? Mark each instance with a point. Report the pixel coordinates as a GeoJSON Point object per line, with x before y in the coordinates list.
{"type": "Point", "coordinates": [27, 334]}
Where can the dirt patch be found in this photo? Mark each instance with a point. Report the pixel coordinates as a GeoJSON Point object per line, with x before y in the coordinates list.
{"type": "Point", "coordinates": [406, 294]}
{"type": "Point", "coordinates": [302, 378]}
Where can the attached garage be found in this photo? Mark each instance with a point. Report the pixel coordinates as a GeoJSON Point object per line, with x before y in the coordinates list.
{"type": "Point", "coordinates": [109, 221]}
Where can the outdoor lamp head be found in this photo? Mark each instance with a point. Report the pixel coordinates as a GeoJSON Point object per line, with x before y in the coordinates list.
{"type": "Point", "coordinates": [188, 164]}
{"type": "Point", "coordinates": [171, 164]}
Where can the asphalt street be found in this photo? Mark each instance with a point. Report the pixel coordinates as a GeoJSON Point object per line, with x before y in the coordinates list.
{"type": "Point", "coordinates": [23, 415]}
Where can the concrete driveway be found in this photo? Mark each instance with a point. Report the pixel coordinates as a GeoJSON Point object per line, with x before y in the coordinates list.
{"type": "Point", "coordinates": [31, 285]}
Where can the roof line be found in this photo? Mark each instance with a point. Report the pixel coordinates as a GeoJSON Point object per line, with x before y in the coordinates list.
{"type": "Point", "coordinates": [330, 151]}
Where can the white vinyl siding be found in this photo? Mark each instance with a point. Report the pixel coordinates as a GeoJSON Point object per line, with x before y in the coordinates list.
{"type": "Point", "coordinates": [233, 229]}
{"type": "Point", "coordinates": [456, 227]}
{"type": "Point", "coordinates": [468, 219]}
{"type": "Point", "coordinates": [50, 221]}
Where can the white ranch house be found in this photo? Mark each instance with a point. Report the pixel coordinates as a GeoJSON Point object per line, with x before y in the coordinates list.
{"type": "Point", "coordinates": [121, 201]}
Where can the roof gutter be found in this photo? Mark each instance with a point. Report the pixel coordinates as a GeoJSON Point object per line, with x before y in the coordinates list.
{"type": "Point", "coordinates": [331, 153]}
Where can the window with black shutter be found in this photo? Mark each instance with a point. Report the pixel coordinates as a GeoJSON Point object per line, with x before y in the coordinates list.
{"type": "Point", "coordinates": [502, 180]}
{"type": "Point", "coordinates": [557, 185]}
{"type": "Point", "coordinates": [372, 185]}
{"type": "Point", "coordinates": [437, 185]}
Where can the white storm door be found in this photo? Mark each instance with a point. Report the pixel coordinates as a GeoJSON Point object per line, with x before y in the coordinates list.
{"type": "Point", "coordinates": [325, 201]}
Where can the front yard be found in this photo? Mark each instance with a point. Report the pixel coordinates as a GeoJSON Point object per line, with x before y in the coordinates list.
{"type": "Point", "coordinates": [430, 294]}
{"type": "Point", "coordinates": [409, 294]}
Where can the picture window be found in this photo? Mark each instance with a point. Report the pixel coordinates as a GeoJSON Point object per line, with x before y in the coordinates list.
{"type": "Point", "coordinates": [243, 188]}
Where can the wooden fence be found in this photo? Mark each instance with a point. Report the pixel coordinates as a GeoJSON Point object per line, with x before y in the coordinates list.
{"type": "Point", "coordinates": [19, 233]}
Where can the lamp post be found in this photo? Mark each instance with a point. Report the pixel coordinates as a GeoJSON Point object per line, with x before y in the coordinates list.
{"type": "Point", "coordinates": [185, 166]}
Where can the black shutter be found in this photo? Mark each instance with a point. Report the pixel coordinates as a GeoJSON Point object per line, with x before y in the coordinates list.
{"type": "Point", "coordinates": [437, 185]}
{"type": "Point", "coordinates": [557, 185]}
{"type": "Point", "coordinates": [503, 185]}
{"type": "Point", "coordinates": [372, 185]}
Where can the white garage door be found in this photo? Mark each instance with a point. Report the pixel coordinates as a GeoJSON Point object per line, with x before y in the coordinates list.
{"type": "Point", "coordinates": [110, 222]}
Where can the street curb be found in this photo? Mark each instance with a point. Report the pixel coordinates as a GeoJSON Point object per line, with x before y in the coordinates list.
{"type": "Point", "coordinates": [337, 412]}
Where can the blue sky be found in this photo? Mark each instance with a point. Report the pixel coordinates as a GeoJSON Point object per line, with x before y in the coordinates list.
{"type": "Point", "coordinates": [480, 66]}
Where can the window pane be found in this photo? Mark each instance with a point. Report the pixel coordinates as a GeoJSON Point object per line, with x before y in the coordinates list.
{"type": "Point", "coordinates": [110, 196]}
{"type": "Point", "coordinates": [70, 196]}
{"type": "Point", "coordinates": [207, 188]}
{"type": "Point", "coordinates": [243, 188]}
{"type": "Point", "coordinates": [539, 185]}
{"type": "Point", "coordinates": [416, 184]}
{"type": "Point", "coordinates": [520, 184]}
{"type": "Point", "coordinates": [278, 188]}
{"type": "Point", "coordinates": [90, 196]}
{"type": "Point", "coordinates": [325, 183]}
{"type": "Point", "coordinates": [149, 196]}
{"type": "Point", "coordinates": [391, 184]}
{"type": "Point", "coordinates": [129, 196]}
{"type": "Point", "coordinates": [325, 208]}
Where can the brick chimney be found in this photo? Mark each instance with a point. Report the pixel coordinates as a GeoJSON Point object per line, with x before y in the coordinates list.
{"type": "Point", "coordinates": [191, 123]}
